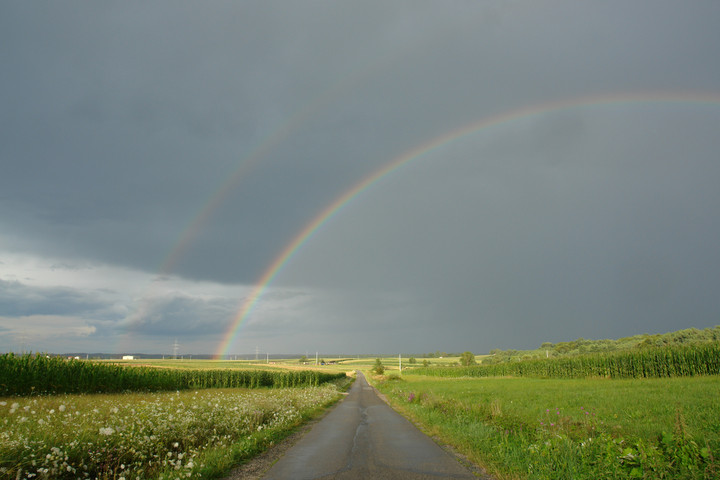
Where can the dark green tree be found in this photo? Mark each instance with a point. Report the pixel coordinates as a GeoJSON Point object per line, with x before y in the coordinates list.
{"type": "Point", "coordinates": [467, 359]}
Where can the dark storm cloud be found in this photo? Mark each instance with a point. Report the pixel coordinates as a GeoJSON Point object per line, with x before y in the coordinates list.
{"type": "Point", "coordinates": [19, 300]}
{"type": "Point", "coordinates": [182, 315]}
{"type": "Point", "coordinates": [610, 239]}
{"type": "Point", "coordinates": [121, 121]}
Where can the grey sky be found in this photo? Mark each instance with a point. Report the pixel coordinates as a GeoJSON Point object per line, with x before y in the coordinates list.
{"type": "Point", "coordinates": [157, 158]}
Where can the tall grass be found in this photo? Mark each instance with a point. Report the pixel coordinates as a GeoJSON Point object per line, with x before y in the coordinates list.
{"type": "Point", "coordinates": [675, 361]}
{"type": "Point", "coordinates": [39, 374]}
{"type": "Point", "coordinates": [543, 429]}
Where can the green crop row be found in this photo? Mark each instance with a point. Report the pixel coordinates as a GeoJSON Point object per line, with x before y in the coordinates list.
{"type": "Point", "coordinates": [40, 374]}
{"type": "Point", "coordinates": [675, 361]}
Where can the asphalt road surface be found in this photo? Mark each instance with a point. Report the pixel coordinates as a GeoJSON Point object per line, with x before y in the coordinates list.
{"type": "Point", "coordinates": [363, 438]}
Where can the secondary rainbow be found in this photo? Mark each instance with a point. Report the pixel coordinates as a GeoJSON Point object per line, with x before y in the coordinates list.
{"type": "Point", "coordinates": [333, 208]}
{"type": "Point", "coordinates": [286, 129]}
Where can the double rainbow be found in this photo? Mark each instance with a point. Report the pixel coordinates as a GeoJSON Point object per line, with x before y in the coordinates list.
{"type": "Point", "coordinates": [395, 164]}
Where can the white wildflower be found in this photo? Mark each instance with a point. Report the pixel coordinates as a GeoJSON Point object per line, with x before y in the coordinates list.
{"type": "Point", "coordinates": [61, 408]}
{"type": "Point", "coordinates": [106, 431]}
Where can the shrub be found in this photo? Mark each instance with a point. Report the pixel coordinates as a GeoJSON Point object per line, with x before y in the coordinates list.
{"type": "Point", "coordinates": [379, 368]}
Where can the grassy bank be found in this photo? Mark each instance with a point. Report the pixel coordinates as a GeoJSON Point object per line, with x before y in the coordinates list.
{"type": "Point", "coordinates": [529, 428]}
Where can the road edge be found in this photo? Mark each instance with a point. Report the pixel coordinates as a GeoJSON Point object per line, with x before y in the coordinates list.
{"type": "Point", "coordinates": [462, 459]}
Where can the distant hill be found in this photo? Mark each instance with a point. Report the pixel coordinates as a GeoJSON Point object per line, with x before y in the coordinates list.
{"type": "Point", "coordinates": [582, 346]}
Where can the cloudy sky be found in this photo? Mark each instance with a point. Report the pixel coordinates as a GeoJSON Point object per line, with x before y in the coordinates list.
{"type": "Point", "coordinates": [557, 174]}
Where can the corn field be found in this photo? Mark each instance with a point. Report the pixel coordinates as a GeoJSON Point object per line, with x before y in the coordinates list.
{"type": "Point", "coordinates": [39, 374]}
{"type": "Point", "coordinates": [675, 361]}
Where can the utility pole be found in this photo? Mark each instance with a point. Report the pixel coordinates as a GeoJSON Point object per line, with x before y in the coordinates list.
{"type": "Point", "coordinates": [400, 361]}
{"type": "Point", "coordinates": [257, 352]}
{"type": "Point", "coordinates": [23, 342]}
{"type": "Point", "coordinates": [316, 358]}
{"type": "Point", "coordinates": [176, 345]}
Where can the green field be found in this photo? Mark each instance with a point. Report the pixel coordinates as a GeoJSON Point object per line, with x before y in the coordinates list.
{"type": "Point", "coordinates": [42, 374]}
{"type": "Point", "coordinates": [528, 428]}
{"type": "Point", "coordinates": [517, 428]}
{"type": "Point", "coordinates": [189, 364]}
{"type": "Point", "coordinates": [332, 363]}
{"type": "Point", "coordinates": [86, 419]}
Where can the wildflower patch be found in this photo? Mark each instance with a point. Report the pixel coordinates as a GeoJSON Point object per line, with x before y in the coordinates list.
{"type": "Point", "coordinates": [145, 436]}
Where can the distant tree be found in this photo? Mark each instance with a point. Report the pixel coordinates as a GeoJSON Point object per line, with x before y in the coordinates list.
{"type": "Point", "coordinates": [425, 363]}
{"type": "Point", "coordinates": [303, 359]}
{"type": "Point", "coordinates": [467, 359]}
{"type": "Point", "coordinates": [412, 360]}
{"type": "Point", "coordinates": [379, 368]}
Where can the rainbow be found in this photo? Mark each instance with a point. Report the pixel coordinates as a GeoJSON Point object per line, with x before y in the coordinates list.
{"type": "Point", "coordinates": [286, 129]}
{"type": "Point", "coordinates": [395, 164]}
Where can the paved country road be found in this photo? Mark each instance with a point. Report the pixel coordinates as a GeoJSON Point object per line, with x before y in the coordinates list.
{"type": "Point", "coordinates": [363, 438]}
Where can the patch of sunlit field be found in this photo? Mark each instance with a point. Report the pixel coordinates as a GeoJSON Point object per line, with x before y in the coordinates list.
{"type": "Point", "coordinates": [330, 363]}
{"type": "Point", "coordinates": [260, 364]}
{"type": "Point", "coordinates": [188, 434]}
{"type": "Point", "coordinates": [393, 363]}
{"type": "Point", "coordinates": [572, 428]}
{"type": "Point", "coordinates": [190, 364]}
